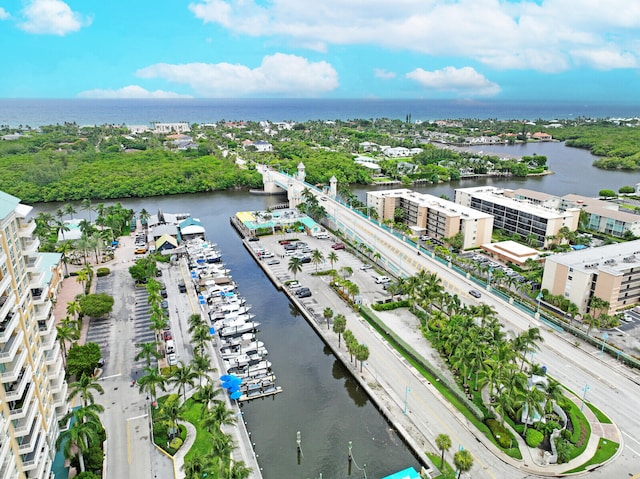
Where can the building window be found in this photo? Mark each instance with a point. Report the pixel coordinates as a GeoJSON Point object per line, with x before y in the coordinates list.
{"type": "Point", "coordinates": [569, 278]}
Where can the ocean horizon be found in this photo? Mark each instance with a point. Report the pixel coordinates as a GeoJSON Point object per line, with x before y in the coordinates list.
{"type": "Point", "coordinates": [39, 112]}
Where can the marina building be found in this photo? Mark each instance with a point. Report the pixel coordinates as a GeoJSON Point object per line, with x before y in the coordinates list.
{"type": "Point", "coordinates": [611, 273]}
{"type": "Point", "coordinates": [32, 384]}
{"type": "Point", "coordinates": [433, 216]}
{"type": "Point", "coordinates": [519, 215]}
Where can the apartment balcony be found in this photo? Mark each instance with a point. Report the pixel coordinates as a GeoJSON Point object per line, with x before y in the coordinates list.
{"type": "Point", "coordinates": [48, 341]}
{"type": "Point", "coordinates": [31, 447]}
{"type": "Point", "coordinates": [53, 354]}
{"type": "Point", "coordinates": [30, 245]}
{"type": "Point", "coordinates": [55, 369]}
{"type": "Point", "coordinates": [9, 349]}
{"type": "Point", "coordinates": [23, 426]}
{"type": "Point", "coordinates": [19, 409]}
{"type": "Point", "coordinates": [46, 320]}
{"type": "Point", "coordinates": [8, 323]}
{"type": "Point", "coordinates": [5, 283]}
{"type": "Point", "coordinates": [26, 229]}
{"type": "Point", "coordinates": [43, 468]}
{"type": "Point", "coordinates": [12, 371]}
{"type": "Point", "coordinates": [60, 400]}
{"type": "Point", "coordinates": [4, 450]}
{"type": "Point", "coordinates": [32, 263]}
{"type": "Point", "coordinates": [15, 390]}
{"type": "Point", "coordinates": [39, 294]}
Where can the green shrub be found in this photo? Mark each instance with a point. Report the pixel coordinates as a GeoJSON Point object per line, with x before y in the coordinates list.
{"type": "Point", "coordinates": [175, 443]}
{"type": "Point", "coordinates": [519, 428]}
{"type": "Point", "coordinates": [502, 435]}
{"type": "Point", "coordinates": [390, 306]}
{"type": "Point", "coordinates": [534, 438]}
{"type": "Point", "coordinates": [102, 272]}
{"type": "Point", "coordinates": [564, 449]}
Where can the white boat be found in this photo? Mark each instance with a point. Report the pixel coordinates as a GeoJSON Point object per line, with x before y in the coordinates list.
{"type": "Point", "coordinates": [243, 347]}
{"type": "Point", "coordinates": [233, 321]}
{"type": "Point", "coordinates": [263, 367]}
{"type": "Point", "coordinates": [234, 341]}
{"type": "Point", "coordinates": [239, 330]}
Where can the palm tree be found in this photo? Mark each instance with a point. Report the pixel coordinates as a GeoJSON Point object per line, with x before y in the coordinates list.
{"type": "Point", "coordinates": [194, 321]}
{"type": "Point", "coordinates": [151, 381]}
{"type": "Point", "coordinates": [339, 326]}
{"type": "Point", "coordinates": [66, 334]}
{"type": "Point", "coordinates": [362, 354]}
{"type": "Point", "coordinates": [218, 416]}
{"type": "Point", "coordinates": [65, 248]}
{"type": "Point", "coordinates": [333, 258]}
{"type": "Point", "coordinates": [200, 337]}
{"type": "Point", "coordinates": [207, 394]}
{"type": "Point", "coordinates": [295, 266]}
{"type": "Point", "coordinates": [69, 210]}
{"type": "Point", "coordinates": [529, 401]}
{"type": "Point", "coordinates": [239, 470]}
{"type": "Point", "coordinates": [148, 351]}
{"type": "Point", "coordinates": [328, 314]}
{"type": "Point", "coordinates": [86, 205]}
{"type": "Point", "coordinates": [183, 376]}
{"type": "Point", "coordinates": [443, 443]}
{"type": "Point", "coordinates": [201, 364]}
{"type": "Point", "coordinates": [78, 439]}
{"type": "Point", "coordinates": [198, 467]}
{"type": "Point", "coordinates": [463, 461]}
{"type": "Point", "coordinates": [317, 257]}
{"type": "Point", "coordinates": [83, 388]}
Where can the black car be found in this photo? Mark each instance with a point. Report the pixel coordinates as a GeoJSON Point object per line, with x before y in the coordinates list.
{"type": "Point", "coordinates": [253, 238]}
{"type": "Point", "coordinates": [303, 293]}
{"type": "Point", "coordinates": [182, 287]}
{"type": "Point", "coordinates": [163, 292]}
{"type": "Point", "coordinates": [305, 259]}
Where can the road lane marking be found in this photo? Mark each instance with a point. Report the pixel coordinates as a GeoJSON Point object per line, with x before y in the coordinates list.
{"type": "Point", "coordinates": [128, 443]}
{"type": "Point", "coordinates": [137, 417]}
{"type": "Point", "coordinates": [112, 376]}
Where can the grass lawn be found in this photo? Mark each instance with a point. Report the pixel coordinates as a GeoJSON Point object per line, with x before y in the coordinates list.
{"type": "Point", "coordinates": [606, 450]}
{"type": "Point", "coordinates": [202, 445]}
{"type": "Point", "coordinates": [447, 471]}
{"type": "Point", "coordinates": [602, 417]}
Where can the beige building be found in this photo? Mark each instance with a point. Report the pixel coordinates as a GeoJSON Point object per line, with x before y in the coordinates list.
{"type": "Point", "coordinates": [611, 273]}
{"type": "Point", "coordinates": [511, 252]}
{"type": "Point", "coordinates": [434, 216]}
{"type": "Point", "coordinates": [32, 384]}
{"type": "Point", "coordinates": [517, 215]}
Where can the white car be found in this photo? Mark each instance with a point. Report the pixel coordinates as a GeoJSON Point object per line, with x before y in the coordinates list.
{"type": "Point", "coordinates": [382, 279]}
{"type": "Point", "coordinates": [172, 359]}
{"type": "Point", "coordinates": [294, 284]}
{"type": "Point", "coordinates": [365, 267]}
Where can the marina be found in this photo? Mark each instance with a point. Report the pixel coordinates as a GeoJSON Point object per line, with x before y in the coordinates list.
{"type": "Point", "coordinates": [247, 374]}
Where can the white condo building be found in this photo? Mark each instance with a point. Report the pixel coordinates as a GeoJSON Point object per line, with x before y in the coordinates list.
{"type": "Point", "coordinates": [32, 384]}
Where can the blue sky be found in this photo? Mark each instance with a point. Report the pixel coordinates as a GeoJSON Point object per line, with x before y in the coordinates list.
{"type": "Point", "coordinates": [577, 50]}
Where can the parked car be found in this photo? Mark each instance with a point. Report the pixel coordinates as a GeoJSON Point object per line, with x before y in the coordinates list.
{"type": "Point", "coordinates": [323, 236]}
{"type": "Point", "coordinates": [164, 304]}
{"type": "Point", "coordinates": [303, 291]}
{"type": "Point", "coordinates": [253, 238]}
{"type": "Point", "coordinates": [273, 261]}
{"type": "Point", "coordinates": [294, 284]}
{"type": "Point", "coordinates": [425, 238]}
{"type": "Point", "coordinates": [172, 359]}
{"type": "Point", "coordinates": [305, 259]}
{"type": "Point", "coordinates": [167, 335]}
{"type": "Point", "coordinates": [365, 267]}
{"type": "Point", "coordinates": [304, 294]}
{"type": "Point", "coordinates": [337, 246]}
{"type": "Point", "coordinates": [382, 279]}
{"type": "Point", "coordinates": [475, 293]}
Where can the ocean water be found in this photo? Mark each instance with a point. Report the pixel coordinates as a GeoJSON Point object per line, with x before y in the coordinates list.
{"type": "Point", "coordinates": [37, 112]}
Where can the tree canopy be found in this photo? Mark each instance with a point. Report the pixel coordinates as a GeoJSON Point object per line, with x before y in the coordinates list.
{"type": "Point", "coordinates": [96, 305]}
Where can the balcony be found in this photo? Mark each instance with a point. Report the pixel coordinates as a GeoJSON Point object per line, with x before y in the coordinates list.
{"type": "Point", "coordinates": [53, 354]}
{"type": "Point", "coordinates": [19, 409]}
{"type": "Point", "coordinates": [15, 390]}
{"type": "Point", "coordinates": [56, 378]}
{"type": "Point", "coordinates": [26, 229]}
{"type": "Point", "coordinates": [30, 245]}
{"type": "Point", "coordinates": [8, 349]}
{"type": "Point", "coordinates": [47, 342]}
{"type": "Point", "coordinates": [60, 400]}
{"type": "Point", "coordinates": [8, 324]}
{"type": "Point", "coordinates": [32, 263]}
{"type": "Point", "coordinates": [39, 294]}
{"type": "Point", "coordinates": [11, 371]}
{"type": "Point", "coordinates": [23, 426]}
{"type": "Point", "coordinates": [28, 444]}
{"type": "Point", "coordinates": [5, 283]}
{"type": "Point", "coordinates": [46, 321]}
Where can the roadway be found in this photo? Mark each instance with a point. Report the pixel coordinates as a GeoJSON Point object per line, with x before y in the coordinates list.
{"type": "Point", "coordinates": [613, 388]}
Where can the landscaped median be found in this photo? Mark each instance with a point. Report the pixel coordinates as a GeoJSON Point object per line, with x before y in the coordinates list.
{"type": "Point", "coordinates": [524, 416]}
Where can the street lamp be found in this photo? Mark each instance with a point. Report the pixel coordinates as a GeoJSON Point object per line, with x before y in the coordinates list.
{"type": "Point", "coordinates": [604, 341]}
{"type": "Point", "coordinates": [407, 390]}
{"type": "Point", "coordinates": [489, 273]}
{"type": "Point", "coordinates": [538, 298]}
{"type": "Point", "coordinates": [584, 395]}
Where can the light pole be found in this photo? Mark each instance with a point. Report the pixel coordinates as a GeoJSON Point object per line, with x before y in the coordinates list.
{"type": "Point", "coordinates": [489, 272]}
{"type": "Point", "coordinates": [538, 298]}
{"type": "Point", "coordinates": [604, 341]}
{"type": "Point", "coordinates": [584, 395]}
{"type": "Point", "coordinates": [407, 390]}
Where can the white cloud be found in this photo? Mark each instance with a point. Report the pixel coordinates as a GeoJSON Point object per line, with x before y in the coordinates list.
{"type": "Point", "coordinates": [278, 74]}
{"type": "Point", "coordinates": [464, 81]}
{"type": "Point", "coordinates": [384, 74]}
{"type": "Point", "coordinates": [4, 14]}
{"type": "Point", "coordinates": [547, 36]}
{"type": "Point", "coordinates": [131, 91]}
{"type": "Point", "coordinates": [606, 58]}
{"type": "Point", "coordinates": [51, 17]}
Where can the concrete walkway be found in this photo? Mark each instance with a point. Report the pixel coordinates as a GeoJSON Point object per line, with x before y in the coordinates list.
{"type": "Point", "coordinates": [178, 458]}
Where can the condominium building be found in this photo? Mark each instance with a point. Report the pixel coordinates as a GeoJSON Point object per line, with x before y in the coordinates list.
{"type": "Point", "coordinates": [602, 216]}
{"type": "Point", "coordinates": [516, 215]}
{"type": "Point", "coordinates": [611, 273]}
{"type": "Point", "coordinates": [433, 216]}
{"type": "Point", "coordinates": [32, 384]}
